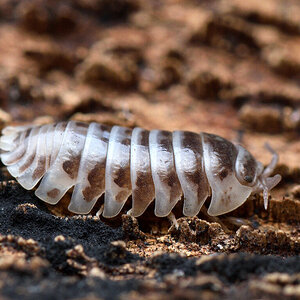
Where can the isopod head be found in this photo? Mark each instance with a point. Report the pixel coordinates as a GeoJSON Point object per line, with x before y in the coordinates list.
{"type": "Point", "coordinates": [234, 174]}
{"type": "Point", "coordinates": [251, 173]}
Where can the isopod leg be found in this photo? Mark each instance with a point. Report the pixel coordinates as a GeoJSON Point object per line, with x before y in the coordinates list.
{"type": "Point", "coordinates": [100, 211]}
{"type": "Point", "coordinates": [171, 217]}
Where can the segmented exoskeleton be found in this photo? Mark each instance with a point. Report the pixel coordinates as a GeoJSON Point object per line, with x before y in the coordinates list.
{"type": "Point", "coordinates": [120, 162]}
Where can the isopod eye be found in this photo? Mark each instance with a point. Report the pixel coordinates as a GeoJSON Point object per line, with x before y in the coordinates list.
{"type": "Point", "coordinates": [246, 167]}
{"type": "Point", "coordinates": [248, 178]}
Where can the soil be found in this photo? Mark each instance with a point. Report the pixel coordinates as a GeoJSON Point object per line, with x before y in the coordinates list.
{"type": "Point", "coordinates": [227, 67]}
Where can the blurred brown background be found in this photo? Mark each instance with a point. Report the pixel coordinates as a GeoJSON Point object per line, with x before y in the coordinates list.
{"type": "Point", "coordinates": [217, 66]}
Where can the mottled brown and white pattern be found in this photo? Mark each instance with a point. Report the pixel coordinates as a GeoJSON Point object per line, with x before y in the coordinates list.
{"type": "Point", "coordinates": [149, 165]}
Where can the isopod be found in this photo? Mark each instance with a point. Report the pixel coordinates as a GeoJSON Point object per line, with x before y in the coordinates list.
{"type": "Point", "coordinates": [118, 161]}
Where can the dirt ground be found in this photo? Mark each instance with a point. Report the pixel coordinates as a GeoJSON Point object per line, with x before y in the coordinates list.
{"type": "Point", "coordinates": [228, 67]}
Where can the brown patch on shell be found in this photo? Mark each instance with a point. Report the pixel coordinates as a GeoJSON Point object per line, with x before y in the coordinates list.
{"type": "Point", "coordinates": [122, 176]}
{"type": "Point", "coordinates": [144, 138]}
{"type": "Point", "coordinates": [192, 141]}
{"type": "Point", "coordinates": [166, 141]}
{"type": "Point", "coordinates": [96, 178]}
{"type": "Point", "coordinates": [53, 193]}
{"type": "Point", "coordinates": [224, 150]}
{"type": "Point", "coordinates": [81, 124]}
{"type": "Point", "coordinates": [71, 166]}
{"type": "Point", "coordinates": [172, 179]}
{"type": "Point", "coordinates": [144, 187]}
{"type": "Point", "coordinates": [121, 195]}
{"type": "Point", "coordinates": [28, 162]}
{"type": "Point", "coordinates": [27, 132]}
{"type": "Point", "coordinates": [223, 174]}
{"type": "Point", "coordinates": [40, 169]}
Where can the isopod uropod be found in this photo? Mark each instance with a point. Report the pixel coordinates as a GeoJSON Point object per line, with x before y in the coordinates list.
{"type": "Point", "coordinates": [148, 165]}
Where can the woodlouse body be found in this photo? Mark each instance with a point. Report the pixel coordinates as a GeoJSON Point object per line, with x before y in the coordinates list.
{"type": "Point", "coordinates": [120, 162]}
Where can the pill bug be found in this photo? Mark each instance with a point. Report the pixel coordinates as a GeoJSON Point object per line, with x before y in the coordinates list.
{"type": "Point", "coordinates": [118, 161]}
